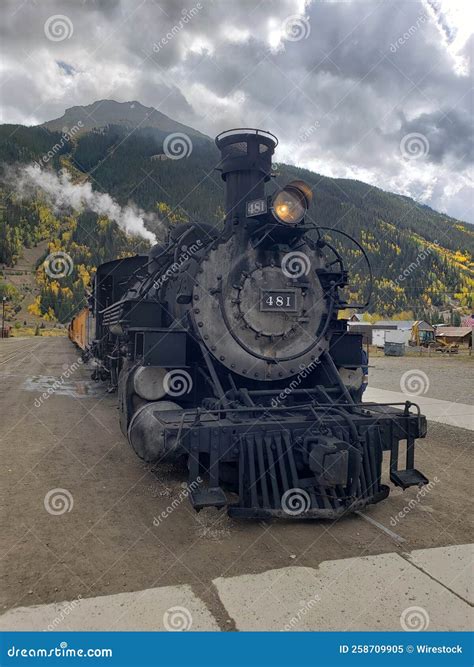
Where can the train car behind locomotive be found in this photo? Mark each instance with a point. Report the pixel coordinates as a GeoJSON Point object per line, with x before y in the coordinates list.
{"type": "Point", "coordinates": [226, 351]}
{"type": "Point", "coordinates": [81, 330]}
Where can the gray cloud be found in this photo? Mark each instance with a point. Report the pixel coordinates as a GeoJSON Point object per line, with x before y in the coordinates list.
{"type": "Point", "coordinates": [449, 132]}
{"type": "Point", "coordinates": [341, 100]}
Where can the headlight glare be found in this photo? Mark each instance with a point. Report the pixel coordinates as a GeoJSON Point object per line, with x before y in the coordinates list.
{"type": "Point", "coordinates": [289, 206]}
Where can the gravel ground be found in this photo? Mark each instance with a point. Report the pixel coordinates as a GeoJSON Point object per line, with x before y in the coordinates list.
{"type": "Point", "coordinates": [450, 378]}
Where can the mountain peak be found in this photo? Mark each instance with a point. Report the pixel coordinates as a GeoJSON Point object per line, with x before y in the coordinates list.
{"type": "Point", "coordinates": [131, 114]}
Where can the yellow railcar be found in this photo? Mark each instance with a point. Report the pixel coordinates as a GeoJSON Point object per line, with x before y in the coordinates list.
{"type": "Point", "coordinates": [80, 329]}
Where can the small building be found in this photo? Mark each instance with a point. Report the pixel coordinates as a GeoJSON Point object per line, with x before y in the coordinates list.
{"type": "Point", "coordinates": [357, 317]}
{"type": "Point", "coordinates": [392, 331]}
{"type": "Point", "coordinates": [458, 335]}
{"type": "Point", "coordinates": [364, 328]}
{"type": "Point", "coordinates": [396, 324]}
{"type": "Point", "coordinates": [368, 331]}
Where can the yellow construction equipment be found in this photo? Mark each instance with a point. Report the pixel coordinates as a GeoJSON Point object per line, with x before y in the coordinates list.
{"type": "Point", "coordinates": [421, 337]}
{"type": "Point", "coordinates": [445, 347]}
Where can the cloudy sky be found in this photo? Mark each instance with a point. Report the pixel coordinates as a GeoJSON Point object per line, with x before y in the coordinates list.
{"type": "Point", "coordinates": [378, 91]}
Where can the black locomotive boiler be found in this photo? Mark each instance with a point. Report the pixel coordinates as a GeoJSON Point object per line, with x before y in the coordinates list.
{"type": "Point", "coordinates": [226, 351]}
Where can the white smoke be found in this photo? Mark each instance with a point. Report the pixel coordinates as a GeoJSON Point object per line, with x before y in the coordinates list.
{"type": "Point", "coordinates": [63, 193]}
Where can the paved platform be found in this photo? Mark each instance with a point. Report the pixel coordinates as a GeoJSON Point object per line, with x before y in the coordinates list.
{"type": "Point", "coordinates": [371, 593]}
{"type": "Point", "coordinates": [452, 566]}
{"type": "Point", "coordinates": [421, 590]}
{"type": "Point", "coordinates": [173, 608]}
{"type": "Point", "coordinates": [444, 412]}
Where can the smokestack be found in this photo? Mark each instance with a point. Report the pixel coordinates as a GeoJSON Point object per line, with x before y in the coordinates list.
{"type": "Point", "coordinates": [246, 162]}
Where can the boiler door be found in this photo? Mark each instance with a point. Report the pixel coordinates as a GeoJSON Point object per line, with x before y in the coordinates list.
{"type": "Point", "coordinates": [259, 315]}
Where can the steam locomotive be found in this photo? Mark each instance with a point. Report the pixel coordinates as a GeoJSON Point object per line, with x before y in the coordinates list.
{"type": "Point", "coordinates": [226, 351]}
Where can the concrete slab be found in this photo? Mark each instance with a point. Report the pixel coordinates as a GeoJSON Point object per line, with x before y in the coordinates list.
{"type": "Point", "coordinates": [451, 566]}
{"type": "Point", "coordinates": [170, 608]}
{"type": "Point", "coordinates": [382, 592]}
{"type": "Point", "coordinates": [445, 412]}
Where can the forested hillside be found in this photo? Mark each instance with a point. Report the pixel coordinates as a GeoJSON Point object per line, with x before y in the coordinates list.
{"type": "Point", "coordinates": [422, 260]}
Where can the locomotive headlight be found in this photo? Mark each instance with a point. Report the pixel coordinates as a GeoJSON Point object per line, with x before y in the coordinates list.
{"type": "Point", "coordinates": [291, 203]}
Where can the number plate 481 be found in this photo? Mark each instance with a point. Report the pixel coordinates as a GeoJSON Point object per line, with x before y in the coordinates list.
{"type": "Point", "coordinates": [278, 300]}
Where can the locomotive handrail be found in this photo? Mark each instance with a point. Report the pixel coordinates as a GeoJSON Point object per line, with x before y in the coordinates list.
{"type": "Point", "coordinates": [371, 278]}
{"type": "Point", "coordinates": [246, 130]}
{"type": "Point", "coordinates": [335, 405]}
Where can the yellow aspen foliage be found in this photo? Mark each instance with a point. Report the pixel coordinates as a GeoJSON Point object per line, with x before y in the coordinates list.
{"type": "Point", "coordinates": [104, 223]}
{"type": "Point", "coordinates": [49, 316]}
{"type": "Point", "coordinates": [83, 274]}
{"type": "Point", "coordinates": [35, 307]}
{"type": "Point", "coordinates": [172, 216]}
{"type": "Point", "coordinates": [54, 287]}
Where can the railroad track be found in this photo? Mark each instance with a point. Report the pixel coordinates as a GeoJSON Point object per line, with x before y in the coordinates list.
{"type": "Point", "coordinates": [19, 353]}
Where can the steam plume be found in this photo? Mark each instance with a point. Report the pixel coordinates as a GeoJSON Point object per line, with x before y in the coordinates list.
{"type": "Point", "coordinates": [63, 193]}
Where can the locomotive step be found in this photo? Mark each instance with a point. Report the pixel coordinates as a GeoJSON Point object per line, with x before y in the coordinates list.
{"type": "Point", "coordinates": [213, 496]}
{"type": "Point", "coordinates": [407, 478]}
